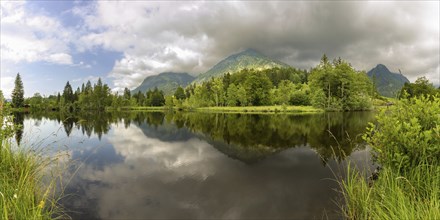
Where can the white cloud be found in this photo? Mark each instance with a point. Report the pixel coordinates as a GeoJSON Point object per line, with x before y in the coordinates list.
{"type": "Point", "coordinates": [29, 37]}
{"type": "Point", "coordinates": [92, 79]}
{"type": "Point", "coordinates": [192, 36]}
{"type": "Point", "coordinates": [60, 58]}
{"type": "Point", "coordinates": [7, 85]}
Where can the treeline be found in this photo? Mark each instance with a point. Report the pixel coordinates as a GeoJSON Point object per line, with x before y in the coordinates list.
{"type": "Point", "coordinates": [330, 85]}
{"type": "Point", "coordinates": [249, 88]}
{"type": "Point", "coordinates": [96, 97]}
{"type": "Point", "coordinates": [421, 87]}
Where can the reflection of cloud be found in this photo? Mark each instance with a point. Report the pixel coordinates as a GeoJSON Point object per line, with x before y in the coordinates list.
{"type": "Point", "coordinates": [169, 155]}
{"type": "Point", "coordinates": [191, 179]}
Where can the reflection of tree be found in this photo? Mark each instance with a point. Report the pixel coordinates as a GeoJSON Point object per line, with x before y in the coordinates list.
{"type": "Point", "coordinates": [18, 121]}
{"type": "Point", "coordinates": [87, 122]}
{"type": "Point", "coordinates": [68, 125]}
{"type": "Point", "coordinates": [331, 134]}
{"type": "Point", "coordinates": [247, 137]}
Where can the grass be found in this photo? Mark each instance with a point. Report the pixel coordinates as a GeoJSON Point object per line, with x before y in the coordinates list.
{"type": "Point", "coordinates": [138, 108]}
{"type": "Point", "coordinates": [27, 181]}
{"type": "Point", "coordinates": [261, 109]}
{"type": "Point", "coordinates": [227, 109]}
{"type": "Point", "coordinates": [406, 143]}
{"type": "Point", "coordinates": [413, 195]}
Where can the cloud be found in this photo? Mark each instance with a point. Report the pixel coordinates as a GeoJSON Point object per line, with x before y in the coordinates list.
{"type": "Point", "coordinates": [154, 37]}
{"type": "Point", "coordinates": [7, 85]}
{"type": "Point", "coordinates": [193, 36]}
{"type": "Point", "coordinates": [192, 179]}
{"type": "Point", "coordinates": [30, 37]}
{"type": "Point", "coordinates": [92, 79]}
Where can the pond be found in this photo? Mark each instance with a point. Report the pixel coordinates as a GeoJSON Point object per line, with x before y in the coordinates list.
{"type": "Point", "coordinates": [141, 165]}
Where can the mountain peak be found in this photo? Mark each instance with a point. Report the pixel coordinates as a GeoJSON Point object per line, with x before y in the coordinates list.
{"type": "Point", "coordinates": [387, 83]}
{"type": "Point", "coordinates": [250, 51]}
{"type": "Point", "coordinates": [247, 59]}
{"type": "Point", "coordinates": [382, 67]}
{"type": "Point", "coordinates": [166, 81]}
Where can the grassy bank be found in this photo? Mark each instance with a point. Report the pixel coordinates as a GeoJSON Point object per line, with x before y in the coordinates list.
{"type": "Point", "coordinates": [138, 108]}
{"type": "Point", "coordinates": [25, 190]}
{"type": "Point", "coordinates": [261, 109]}
{"type": "Point", "coordinates": [406, 144]}
{"type": "Point", "coordinates": [226, 109]}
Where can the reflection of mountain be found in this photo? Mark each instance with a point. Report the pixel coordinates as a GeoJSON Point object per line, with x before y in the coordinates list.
{"type": "Point", "coordinates": [191, 180]}
{"type": "Point", "coordinates": [251, 138]}
{"type": "Point", "coordinates": [248, 138]}
{"type": "Point", "coordinates": [173, 166]}
{"type": "Point", "coordinates": [166, 132]}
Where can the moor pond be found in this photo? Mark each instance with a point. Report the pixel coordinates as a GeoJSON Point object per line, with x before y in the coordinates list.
{"type": "Point", "coordinates": [153, 165]}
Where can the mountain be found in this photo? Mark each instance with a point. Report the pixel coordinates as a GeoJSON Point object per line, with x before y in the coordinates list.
{"type": "Point", "coordinates": [248, 59]}
{"type": "Point", "coordinates": [167, 82]}
{"type": "Point", "coordinates": [387, 83]}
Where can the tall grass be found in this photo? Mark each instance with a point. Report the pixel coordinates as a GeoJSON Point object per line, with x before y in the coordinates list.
{"type": "Point", "coordinates": [412, 195]}
{"type": "Point", "coordinates": [406, 143]}
{"type": "Point", "coordinates": [27, 187]}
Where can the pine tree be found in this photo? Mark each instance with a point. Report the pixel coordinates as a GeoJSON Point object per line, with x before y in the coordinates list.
{"type": "Point", "coordinates": [68, 93]}
{"type": "Point", "coordinates": [180, 94]}
{"type": "Point", "coordinates": [18, 93]}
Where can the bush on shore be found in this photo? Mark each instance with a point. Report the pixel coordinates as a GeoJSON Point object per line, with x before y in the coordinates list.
{"type": "Point", "coordinates": [406, 144]}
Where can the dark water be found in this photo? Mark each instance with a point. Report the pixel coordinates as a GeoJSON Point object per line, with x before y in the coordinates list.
{"type": "Point", "coordinates": [198, 165]}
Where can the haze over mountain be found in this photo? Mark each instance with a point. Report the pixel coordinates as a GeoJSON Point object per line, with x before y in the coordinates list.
{"type": "Point", "coordinates": [248, 59]}
{"type": "Point", "coordinates": [167, 82]}
{"type": "Point", "coordinates": [387, 83]}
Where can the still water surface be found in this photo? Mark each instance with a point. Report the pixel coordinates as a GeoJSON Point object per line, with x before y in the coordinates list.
{"type": "Point", "coordinates": [200, 165]}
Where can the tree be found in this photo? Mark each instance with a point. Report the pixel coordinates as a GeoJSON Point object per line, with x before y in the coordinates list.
{"type": "Point", "coordinates": [157, 98]}
{"type": "Point", "coordinates": [179, 94]}
{"type": "Point", "coordinates": [218, 91]}
{"type": "Point", "coordinates": [18, 92]}
{"type": "Point", "coordinates": [68, 93]}
{"type": "Point", "coordinates": [284, 92]}
{"type": "Point", "coordinates": [36, 101]}
{"type": "Point", "coordinates": [420, 87]}
{"type": "Point", "coordinates": [2, 100]}
{"type": "Point", "coordinates": [242, 95]}
{"type": "Point", "coordinates": [232, 95]}
{"type": "Point", "coordinates": [338, 86]}
{"type": "Point", "coordinates": [127, 94]}
{"type": "Point", "coordinates": [258, 87]}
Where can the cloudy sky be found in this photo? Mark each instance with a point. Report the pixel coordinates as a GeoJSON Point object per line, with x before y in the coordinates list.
{"type": "Point", "coordinates": [51, 42]}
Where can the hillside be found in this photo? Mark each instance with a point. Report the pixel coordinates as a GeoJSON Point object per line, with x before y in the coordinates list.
{"type": "Point", "coordinates": [387, 83]}
{"type": "Point", "coordinates": [167, 81]}
{"type": "Point", "coordinates": [248, 59]}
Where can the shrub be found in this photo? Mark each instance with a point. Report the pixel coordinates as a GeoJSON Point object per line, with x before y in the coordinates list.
{"type": "Point", "coordinates": [407, 134]}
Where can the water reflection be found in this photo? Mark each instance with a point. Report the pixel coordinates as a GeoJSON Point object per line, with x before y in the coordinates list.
{"type": "Point", "coordinates": [193, 165]}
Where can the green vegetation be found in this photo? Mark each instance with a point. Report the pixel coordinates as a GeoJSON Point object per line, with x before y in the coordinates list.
{"type": "Point", "coordinates": [406, 144]}
{"type": "Point", "coordinates": [25, 190]}
{"type": "Point", "coordinates": [419, 88]}
{"type": "Point", "coordinates": [261, 109]}
{"type": "Point", "coordinates": [337, 86]}
{"type": "Point", "coordinates": [18, 93]}
{"type": "Point", "coordinates": [247, 137]}
{"type": "Point", "coordinates": [331, 86]}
